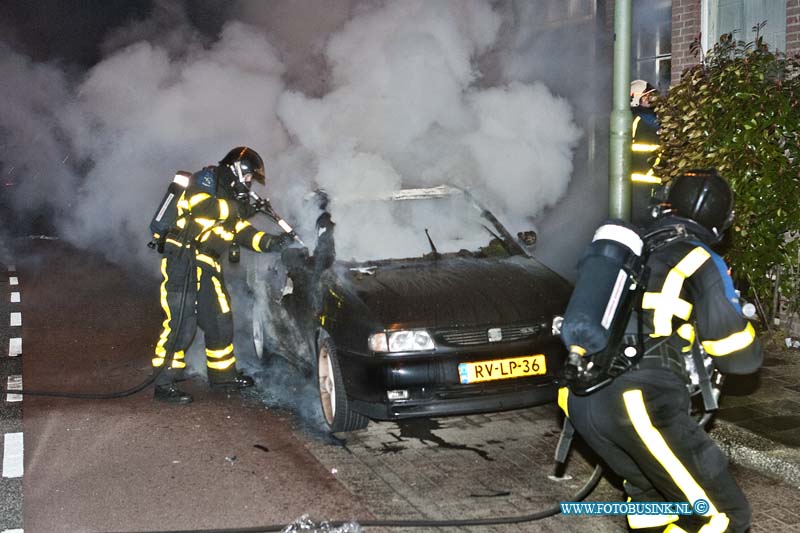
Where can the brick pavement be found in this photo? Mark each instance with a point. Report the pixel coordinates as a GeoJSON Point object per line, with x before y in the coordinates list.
{"type": "Point", "coordinates": [498, 465]}
{"type": "Point", "coordinates": [758, 423]}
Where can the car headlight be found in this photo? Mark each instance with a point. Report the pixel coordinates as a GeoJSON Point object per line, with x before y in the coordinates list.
{"type": "Point", "coordinates": [558, 321]}
{"type": "Point", "coordinates": [401, 341]}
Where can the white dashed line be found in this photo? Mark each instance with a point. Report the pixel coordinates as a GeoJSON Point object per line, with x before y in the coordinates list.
{"type": "Point", "coordinates": [13, 531]}
{"type": "Point", "coordinates": [16, 319]}
{"type": "Point", "coordinates": [14, 383]}
{"type": "Point", "coordinates": [13, 281]}
{"type": "Point", "coordinates": [14, 297]}
{"type": "Point", "coordinates": [15, 346]}
{"type": "Point", "coordinates": [12, 455]}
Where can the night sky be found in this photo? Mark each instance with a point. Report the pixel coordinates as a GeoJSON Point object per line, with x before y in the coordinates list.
{"type": "Point", "coordinates": [73, 31]}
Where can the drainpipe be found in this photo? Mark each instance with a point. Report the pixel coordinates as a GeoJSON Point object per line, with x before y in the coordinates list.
{"type": "Point", "coordinates": [619, 185]}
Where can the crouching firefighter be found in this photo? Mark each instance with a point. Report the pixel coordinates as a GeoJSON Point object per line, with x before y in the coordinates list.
{"type": "Point", "coordinates": [203, 218]}
{"type": "Point", "coordinates": [642, 303]}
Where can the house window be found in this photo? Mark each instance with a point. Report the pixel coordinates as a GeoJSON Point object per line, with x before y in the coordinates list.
{"type": "Point", "coordinates": [651, 42]}
{"type": "Point", "coordinates": [739, 17]}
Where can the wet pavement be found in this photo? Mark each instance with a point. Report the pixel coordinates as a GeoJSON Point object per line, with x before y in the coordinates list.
{"type": "Point", "coordinates": [273, 467]}
{"type": "Point", "coordinates": [758, 423]}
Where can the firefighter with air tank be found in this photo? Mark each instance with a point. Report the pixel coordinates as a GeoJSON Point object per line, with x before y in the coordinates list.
{"type": "Point", "coordinates": [652, 310]}
{"type": "Point", "coordinates": [203, 217]}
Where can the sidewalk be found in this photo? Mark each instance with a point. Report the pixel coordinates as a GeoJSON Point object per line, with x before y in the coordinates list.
{"type": "Point", "coordinates": [758, 423]}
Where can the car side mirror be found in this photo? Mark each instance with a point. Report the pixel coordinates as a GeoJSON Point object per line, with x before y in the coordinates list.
{"type": "Point", "coordinates": [528, 238]}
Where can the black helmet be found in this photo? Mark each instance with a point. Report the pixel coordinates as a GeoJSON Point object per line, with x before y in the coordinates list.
{"type": "Point", "coordinates": [703, 196]}
{"type": "Point", "coordinates": [242, 161]}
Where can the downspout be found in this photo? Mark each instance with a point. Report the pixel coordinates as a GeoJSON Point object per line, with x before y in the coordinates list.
{"type": "Point", "coordinates": [619, 185]}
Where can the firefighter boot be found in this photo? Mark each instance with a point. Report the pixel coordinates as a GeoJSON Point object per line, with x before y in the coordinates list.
{"type": "Point", "coordinates": [229, 379]}
{"type": "Point", "coordinates": [170, 393]}
{"type": "Point", "coordinates": [166, 390]}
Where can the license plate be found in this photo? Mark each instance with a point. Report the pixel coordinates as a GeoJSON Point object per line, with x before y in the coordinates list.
{"type": "Point", "coordinates": [514, 367]}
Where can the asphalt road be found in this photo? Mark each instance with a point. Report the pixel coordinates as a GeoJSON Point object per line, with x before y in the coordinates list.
{"type": "Point", "coordinates": [224, 461]}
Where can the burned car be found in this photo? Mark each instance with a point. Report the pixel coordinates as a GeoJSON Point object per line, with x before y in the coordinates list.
{"type": "Point", "coordinates": [425, 306]}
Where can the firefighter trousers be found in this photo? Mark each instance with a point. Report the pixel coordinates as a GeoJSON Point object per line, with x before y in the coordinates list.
{"type": "Point", "coordinates": [641, 427]}
{"type": "Point", "coordinates": [206, 304]}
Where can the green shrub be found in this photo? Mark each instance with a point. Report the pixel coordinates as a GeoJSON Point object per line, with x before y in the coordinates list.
{"type": "Point", "coordinates": [739, 111]}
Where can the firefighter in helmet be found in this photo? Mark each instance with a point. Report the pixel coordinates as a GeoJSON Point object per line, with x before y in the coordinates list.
{"type": "Point", "coordinates": [212, 216]}
{"type": "Point", "coordinates": [645, 148]}
{"type": "Point", "coordinates": [640, 422]}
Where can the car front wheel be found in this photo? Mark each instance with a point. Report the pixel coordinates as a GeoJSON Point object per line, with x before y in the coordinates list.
{"type": "Point", "coordinates": [332, 395]}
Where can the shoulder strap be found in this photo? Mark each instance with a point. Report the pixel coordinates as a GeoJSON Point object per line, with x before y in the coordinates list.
{"type": "Point", "coordinates": [206, 181]}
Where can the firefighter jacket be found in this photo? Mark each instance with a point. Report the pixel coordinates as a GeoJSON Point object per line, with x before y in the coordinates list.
{"type": "Point", "coordinates": [215, 221]}
{"type": "Point", "coordinates": [645, 146]}
{"type": "Point", "coordinates": [690, 296]}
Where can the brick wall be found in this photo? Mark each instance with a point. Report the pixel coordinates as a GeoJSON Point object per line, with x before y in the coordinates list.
{"type": "Point", "coordinates": [792, 26]}
{"type": "Point", "coordinates": [686, 18]}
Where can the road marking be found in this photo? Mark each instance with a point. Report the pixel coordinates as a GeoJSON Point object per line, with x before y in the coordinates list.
{"type": "Point", "coordinates": [13, 281]}
{"type": "Point", "coordinates": [13, 531]}
{"type": "Point", "coordinates": [14, 383]}
{"type": "Point", "coordinates": [14, 297]}
{"type": "Point", "coordinates": [16, 319]}
{"type": "Point", "coordinates": [12, 455]}
{"type": "Point", "coordinates": [15, 346]}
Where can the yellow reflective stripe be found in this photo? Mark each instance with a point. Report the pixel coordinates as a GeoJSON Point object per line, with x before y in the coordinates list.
{"type": "Point", "coordinates": [220, 359]}
{"type": "Point", "coordinates": [205, 222]}
{"type": "Point", "coordinates": [203, 258]}
{"type": "Point", "coordinates": [256, 243]}
{"type": "Point", "coordinates": [643, 521]}
{"type": "Point", "coordinates": [731, 343]}
{"type": "Point", "coordinates": [644, 147]}
{"type": "Point", "coordinates": [635, 125]}
{"type": "Point", "coordinates": [692, 261]}
{"type": "Point", "coordinates": [160, 350]}
{"type": "Point", "coordinates": [181, 223]}
{"type": "Point", "coordinates": [672, 528]}
{"type": "Point", "coordinates": [661, 452]}
{"type": "Point", "coordinates": [668, 302]}
{"type": "Point", "coordinates": [717, 524]}
{"type": "Point", "coordinates": [197, 198]}
{"type": "Point", "coordinates": [223, 302]}
{"type": "Point", "coordinates": [221, 365]}
{"type": "Point", "coordinates": [223, 234]}
{"type": "Point", "coordinates": [241, 225]}
{"type": "Point", "coordinates": [686, 332]}
{"type": "Point", "coordinates": [644, 178]}
{"type": "Point", "coordinates": [563, 397]}
{"type": "Point", "coordinates": [173, 241]}
{"type": "Point", "coordinates": [199, 277]}
{"type": "Point", "coordinates": [219, 354]}
{"type": "Point", "coordinates": [224, 210]}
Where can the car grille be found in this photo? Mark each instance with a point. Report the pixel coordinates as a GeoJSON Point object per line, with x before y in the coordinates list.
{"type": "Point", "coordinates": [475, 336]}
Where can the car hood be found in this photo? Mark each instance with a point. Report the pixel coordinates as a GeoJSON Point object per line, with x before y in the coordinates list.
{"type": "Point", "coordinates": [456, 292]}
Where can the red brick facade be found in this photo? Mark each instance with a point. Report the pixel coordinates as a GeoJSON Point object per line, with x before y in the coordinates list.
{"type": "Point", "coordinates": [686, 17]}
{"type": "Point", "coordinates": [793, 26]}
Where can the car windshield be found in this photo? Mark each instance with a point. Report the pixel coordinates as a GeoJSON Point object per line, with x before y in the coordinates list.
{"type": "Point", "coordinates": [393, 225]}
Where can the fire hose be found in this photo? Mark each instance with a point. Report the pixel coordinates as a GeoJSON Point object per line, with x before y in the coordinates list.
{"type": "Point", "coordinates": [562, 449]}
{"type": "Point", "coordinates": [261, 206]}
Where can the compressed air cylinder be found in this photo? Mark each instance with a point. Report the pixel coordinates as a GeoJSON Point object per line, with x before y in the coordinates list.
{"type": "Point", "coordinates": [600, 305]}
{"type": "Point", "coordinates": [167, 212]}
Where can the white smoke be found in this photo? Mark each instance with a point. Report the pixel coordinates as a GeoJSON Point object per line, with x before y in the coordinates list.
{"type": "Point", "coordinates": [403, 104]}
{"type": "Point", "coordinates": [404, 111]}
{"type": "Point", "coordinates": [352, 96]}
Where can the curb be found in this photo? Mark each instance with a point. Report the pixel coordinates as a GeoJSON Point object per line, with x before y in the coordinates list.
{"type": "Point", "coordinates": [747, 449]}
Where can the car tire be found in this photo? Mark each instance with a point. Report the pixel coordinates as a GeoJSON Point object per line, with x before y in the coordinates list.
{"type": "Point", "coordinates": [332, 395]}
{"type": "Point", "coordinates": [258, 335]}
